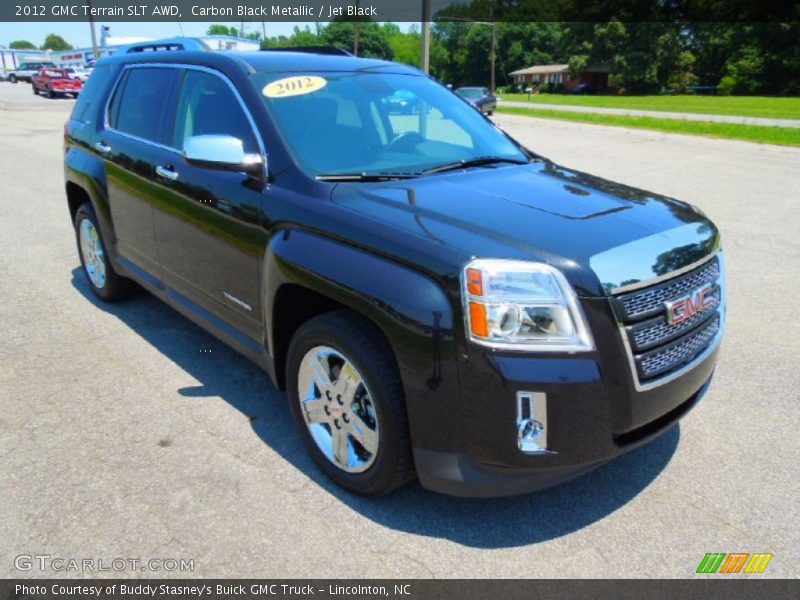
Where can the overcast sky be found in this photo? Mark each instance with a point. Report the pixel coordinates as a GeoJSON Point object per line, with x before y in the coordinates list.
{"type": "Point", "coordinates": [78, 34]}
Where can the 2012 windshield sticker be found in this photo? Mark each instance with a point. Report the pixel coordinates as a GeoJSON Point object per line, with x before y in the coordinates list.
{"type": "Point", "coordinates": [294, 86]}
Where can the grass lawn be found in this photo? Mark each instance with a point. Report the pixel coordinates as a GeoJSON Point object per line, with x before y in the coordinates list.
{"type": "Point", "coordinates": [785, 136]}
{"type": "Point", "coordinates": [744, 106]}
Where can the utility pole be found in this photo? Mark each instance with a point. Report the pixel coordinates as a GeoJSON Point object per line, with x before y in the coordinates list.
{"type": "Point", "coordinates": [426, 36]}
{"type": "Point", "coordinates": [493, 51]}
{"type": "Point", "coordinates": [95, 51]}
{"type": "Point", "coordinates": [358, 29]}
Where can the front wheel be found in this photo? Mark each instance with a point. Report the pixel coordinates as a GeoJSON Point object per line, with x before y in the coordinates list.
{"type": "Point", "coordinates": [104, 282]}
{"type": "Point", "coordinates": [348, 404]}
{"type": "Point", "coordinates": [12, 78]}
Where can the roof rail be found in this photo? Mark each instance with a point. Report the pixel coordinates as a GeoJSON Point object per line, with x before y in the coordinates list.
{"type": "Point", "coordinates": [169, 44]}
{"type": "Point", "coordinates": [332, 50]}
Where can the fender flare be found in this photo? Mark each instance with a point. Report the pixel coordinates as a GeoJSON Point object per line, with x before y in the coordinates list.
{"type": "Point", "coordinates": [411, 309]}
{"type": "Point", "coordinates": [86, 171]}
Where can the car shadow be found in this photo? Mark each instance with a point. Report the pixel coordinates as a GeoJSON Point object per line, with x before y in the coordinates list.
{"type": "Point", "coordinates": [492, 523]}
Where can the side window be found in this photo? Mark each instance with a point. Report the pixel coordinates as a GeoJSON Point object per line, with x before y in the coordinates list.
{"type": "Point", "coordinates": [207, 106]}
{"type": "Point", "coordinates": [140, 104]}
{"type": "Point", "coordinates": [94, 87]}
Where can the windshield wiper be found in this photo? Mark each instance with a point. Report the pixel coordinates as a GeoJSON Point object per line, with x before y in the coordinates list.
{"type": "Point", "coordinates": [474, 162]}
{"type": "Point", "coordinates": [365, 176]}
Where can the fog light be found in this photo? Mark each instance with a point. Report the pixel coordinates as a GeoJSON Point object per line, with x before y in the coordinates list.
{"type": "Point", "coordinates": [532, 422]}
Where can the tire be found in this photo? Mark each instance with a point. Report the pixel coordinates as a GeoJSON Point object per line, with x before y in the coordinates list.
{"type": "Point", "coordinates": [104, 282]}
{"type": "Point", "coordinates": [35, 91]}
{"type": "Point", "coordinates": [12, 78]}
{"type": "Point", "coordinates": [377, 407]}
{"type": "Point", "coordinates": [49, 93]}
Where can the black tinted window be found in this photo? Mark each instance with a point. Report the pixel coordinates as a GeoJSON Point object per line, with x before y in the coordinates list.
{"type": "Point", "coordinates": [207, 106]}
{"type": "Point", "coordinates": [140, 107]}
{"type": "Point", "coordinates": [92, 93]}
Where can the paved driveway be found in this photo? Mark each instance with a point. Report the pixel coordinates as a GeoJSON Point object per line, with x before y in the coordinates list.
{"type": "Point", "coordinates": [126, 431]}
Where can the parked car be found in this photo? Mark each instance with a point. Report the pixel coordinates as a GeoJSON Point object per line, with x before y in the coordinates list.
{"type": "Point", "coordinates": [584, 88]}
{"type": "Point", "coordinates": [26, 70]}
{"type": "Point", "coordinates": [437, 300]}
{"type": "Point", "coordinates": [402, 102]}
{"type": "Point", "coordinates": [480, 97]}
{"type": "Point", "coordinates": [54, 82]}
{"type": "Point", "coordinates": [78, 73]}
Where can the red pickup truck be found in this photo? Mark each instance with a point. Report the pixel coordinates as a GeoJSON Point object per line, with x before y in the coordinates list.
{"type": "Point", "coordinates": [55, 82]}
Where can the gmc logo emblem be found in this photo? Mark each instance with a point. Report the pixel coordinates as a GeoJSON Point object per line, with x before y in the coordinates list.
{"type": "Point", "coordinates": [692, 303]}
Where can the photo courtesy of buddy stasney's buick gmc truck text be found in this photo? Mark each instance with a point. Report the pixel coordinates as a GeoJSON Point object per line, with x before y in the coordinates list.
{"type": "Point", "coordinates": [437, 301]}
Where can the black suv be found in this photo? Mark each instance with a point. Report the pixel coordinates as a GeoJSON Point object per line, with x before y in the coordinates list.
{"type": "Point", "coordinates": [436, 299]}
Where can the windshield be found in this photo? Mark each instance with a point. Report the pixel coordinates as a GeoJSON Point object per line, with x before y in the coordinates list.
{"type": "Point", "coordinates": [469, 92]}
{"type": "Point", "coordinates": [345, 123]}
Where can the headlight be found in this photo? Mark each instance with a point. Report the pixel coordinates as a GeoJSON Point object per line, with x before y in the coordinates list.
{"type": "Point", "coordinates": [520, 305]}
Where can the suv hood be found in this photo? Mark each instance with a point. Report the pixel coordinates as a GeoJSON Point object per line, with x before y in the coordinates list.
{"type": "Point", "coordinates": [603, 235]}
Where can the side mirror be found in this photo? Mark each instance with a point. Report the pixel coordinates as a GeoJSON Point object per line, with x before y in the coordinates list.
{"type": "Point", "coordinates": [222, 152]}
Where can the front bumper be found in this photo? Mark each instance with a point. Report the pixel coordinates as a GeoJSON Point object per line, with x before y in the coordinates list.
{"type": "Point", "coordinates": [456, 474]}
{"type": "Point", "coordinates": [593, 416]}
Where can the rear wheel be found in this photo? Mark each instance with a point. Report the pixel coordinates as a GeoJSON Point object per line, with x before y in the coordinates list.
{"type": "Point", "coordinates": [348, 404]}
{"type": "Point", "coordinates": [104, 282]}
{"type": "Point", "coordinates": [35, 91]}
{"type": "Point", "coordinates": [49, 93]}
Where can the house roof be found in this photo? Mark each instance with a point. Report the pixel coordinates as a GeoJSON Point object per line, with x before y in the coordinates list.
{"type": "Point", "coordinates": [541, 70]}
{"type": "Point", "coordinates": [545, 69]}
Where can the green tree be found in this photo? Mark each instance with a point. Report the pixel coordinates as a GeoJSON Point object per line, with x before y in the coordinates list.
{"type": "Point", "coordinates": [22, 45]}
{"type": "Point", "coordinates": [55, 42]}
{"type": "Point", "coordinates": [372, 43]}
{"type": "Point", "coordinates": [218, 29]}
{"type": "Point", "coordinates": [406, 47]}
{"type": "Point", "coordinates": [299, 37]}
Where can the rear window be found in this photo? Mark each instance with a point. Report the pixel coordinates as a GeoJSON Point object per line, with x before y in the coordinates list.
{"type": "Point", "coordinates": [86, 107]}
{"type": "Point", "coordinates": [141, 102]}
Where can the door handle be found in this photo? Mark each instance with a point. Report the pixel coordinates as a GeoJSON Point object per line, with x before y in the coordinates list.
{"type": "Point", "coordinates": [102, 147]}
{"type": "Point", "coordinates": [167, 172]}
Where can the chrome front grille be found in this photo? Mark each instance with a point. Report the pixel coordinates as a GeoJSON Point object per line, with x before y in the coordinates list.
{"type": "Point", "coordinates": [658, 348]}
{"type": "Point", "coordinates": [649, 301]}
{"type": "Point", "coordinates": [654, 332]}
{"type": "Point", "coordinates": [678, 353]}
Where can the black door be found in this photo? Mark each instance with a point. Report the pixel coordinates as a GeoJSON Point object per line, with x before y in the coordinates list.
{"type": "Point", "coordinates": [132, 146]}
{"type": "Point", "coordinates": [210, 241]}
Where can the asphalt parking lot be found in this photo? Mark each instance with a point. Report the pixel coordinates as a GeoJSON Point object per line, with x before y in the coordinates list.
{"type": "Point", "coordinates": [126, 431]}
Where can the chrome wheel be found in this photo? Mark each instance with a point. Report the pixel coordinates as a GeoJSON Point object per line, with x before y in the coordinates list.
{"type": "Point", "coordinates": [338, 409]}
{"type": "Point", "coordinates": [93, 254]}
